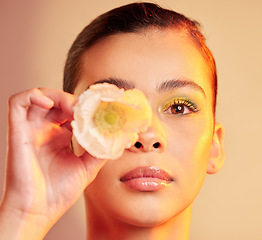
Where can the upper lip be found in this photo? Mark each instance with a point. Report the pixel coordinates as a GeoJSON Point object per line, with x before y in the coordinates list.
{"type": "Point", "coordinates": [147, 172]}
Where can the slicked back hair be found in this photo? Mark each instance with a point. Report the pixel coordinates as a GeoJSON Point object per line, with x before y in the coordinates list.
{"type": "Point", "coordinates": [134, 18]}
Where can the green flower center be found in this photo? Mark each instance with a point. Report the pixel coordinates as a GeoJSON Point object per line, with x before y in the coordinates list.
{"type": "Point", "coordinates": [110, 117]}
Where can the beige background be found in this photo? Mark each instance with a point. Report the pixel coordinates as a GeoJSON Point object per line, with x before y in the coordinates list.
{"type": "Point", "coordinates": [35, 37]}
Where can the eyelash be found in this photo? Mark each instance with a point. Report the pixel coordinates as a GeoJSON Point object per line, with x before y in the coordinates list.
{"type": "Point", "coordinates": [179, 104]}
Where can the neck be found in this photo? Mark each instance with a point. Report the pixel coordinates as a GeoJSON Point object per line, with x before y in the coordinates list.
{"type": "Point", "coordinates": [100, 226]}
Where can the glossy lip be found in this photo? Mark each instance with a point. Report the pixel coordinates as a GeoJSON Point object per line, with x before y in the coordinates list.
{"type": "Point", "coordinates": [146, 179]}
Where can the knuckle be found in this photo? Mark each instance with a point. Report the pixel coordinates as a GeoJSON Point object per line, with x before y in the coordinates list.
{"type": "Point", "coordinates": [41, 89]}
{"type": "Point", "coordinates": [34, 91]}
{"type": "Point", "coordinates": [11, 100]}
{"type": "Point", "coordinates": [15, 99]}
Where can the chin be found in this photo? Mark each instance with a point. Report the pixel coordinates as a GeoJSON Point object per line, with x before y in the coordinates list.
{"type": "Point", "coordinates": [150, 222]}
{"type": "Point", "coordinates": [147, 215]}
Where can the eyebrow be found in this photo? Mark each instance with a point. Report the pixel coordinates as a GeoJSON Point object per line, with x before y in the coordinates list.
{"type": "Point", "coordinates": [173, 84]}
{"type": "Point", "coordinates": [120, 83]}
{"type": "Point", "coordinates": [165, 86]}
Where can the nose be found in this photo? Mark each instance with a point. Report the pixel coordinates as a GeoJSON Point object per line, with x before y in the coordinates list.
{"type": "Point", "coordinates": [153, 139]}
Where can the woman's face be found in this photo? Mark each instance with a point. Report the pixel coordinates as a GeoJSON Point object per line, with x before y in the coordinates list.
{"type": "Point", "coordinates": [173, 75]}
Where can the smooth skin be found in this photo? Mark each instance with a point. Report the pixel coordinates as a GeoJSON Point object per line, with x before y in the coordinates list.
{"type": "Point", "coordinates": [44, 178]}
{"type": "Point", "coordinates": [191, 144]}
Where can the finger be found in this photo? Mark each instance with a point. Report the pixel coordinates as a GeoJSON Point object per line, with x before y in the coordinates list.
{"type": "Point", "coordinates": [35, 112]}
{"type": "Point", "coordinates": [61, 111]}
{"type": "Point", "coordinates": [68, 126]}
{"type": "Point", "coordinates": [57, 116]}
{"type": "Point", "coordinates": [19, 103]}
{"type": "Point", "coordinates": [62, 100]}
{"type": "Point", "coordinates": [93, 165]}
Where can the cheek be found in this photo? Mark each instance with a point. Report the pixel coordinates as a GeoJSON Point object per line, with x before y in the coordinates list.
{"type": "Point", "coordinates": [190, 144]}
{"type": "Point", "coordinates": [106, 193]}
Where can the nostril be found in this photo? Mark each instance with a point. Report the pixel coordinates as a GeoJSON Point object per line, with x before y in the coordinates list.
{"type": "Point", "coordinates": [156, 145]}
{"type": "Point", "coordinates": [138, 145]}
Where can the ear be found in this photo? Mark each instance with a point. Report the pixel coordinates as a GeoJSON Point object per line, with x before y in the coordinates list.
{"type": "Point", "coordinates": [217, 154]}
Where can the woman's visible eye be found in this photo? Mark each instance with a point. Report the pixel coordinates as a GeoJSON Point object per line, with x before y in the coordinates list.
{"type": "Point", "coordinates": [179, 106]}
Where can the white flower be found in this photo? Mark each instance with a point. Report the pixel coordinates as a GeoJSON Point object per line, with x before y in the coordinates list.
{"type": "Point", "coordinates": [107, 120]}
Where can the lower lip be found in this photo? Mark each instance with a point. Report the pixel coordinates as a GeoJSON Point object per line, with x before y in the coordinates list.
{"type": "Point", "coordinates": [146, 184]}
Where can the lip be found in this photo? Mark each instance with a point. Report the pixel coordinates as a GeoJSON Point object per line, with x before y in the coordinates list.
{"type": "Point", "coordinates": [146, 179]}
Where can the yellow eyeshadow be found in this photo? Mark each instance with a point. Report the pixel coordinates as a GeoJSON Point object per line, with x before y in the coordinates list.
{"type": "Point", "coordinates": [179, 101]}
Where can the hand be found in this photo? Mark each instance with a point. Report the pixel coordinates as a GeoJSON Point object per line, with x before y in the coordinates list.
{"type": "Point", "coordinates": [43, 178]}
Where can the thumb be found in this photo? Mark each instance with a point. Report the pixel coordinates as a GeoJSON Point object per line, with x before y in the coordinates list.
{"type": "Point", "coordinates": [92, 165]}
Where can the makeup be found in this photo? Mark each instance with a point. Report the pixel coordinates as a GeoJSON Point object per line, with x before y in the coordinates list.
{"type": "Point", "coordinates": [146, 179]}
{"type": "Point", "coordinates": [179, 106]}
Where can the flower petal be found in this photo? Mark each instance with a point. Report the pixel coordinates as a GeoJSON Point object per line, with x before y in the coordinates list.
{"type": "Point", "coordinates": [108, 92]}
{"type": "Point", "coordinates": [107, 120]}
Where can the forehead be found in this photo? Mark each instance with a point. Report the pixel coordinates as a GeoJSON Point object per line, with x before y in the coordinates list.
{"type": "Point", "coordinates": [145, 60]}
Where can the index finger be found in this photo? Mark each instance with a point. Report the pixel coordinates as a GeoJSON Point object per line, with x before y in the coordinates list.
{"type": "Point", "coordinates": [62, 100]}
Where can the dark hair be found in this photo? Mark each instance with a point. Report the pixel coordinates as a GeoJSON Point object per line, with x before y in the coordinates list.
{"type": "Point", "coordinates": [133, 18]}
